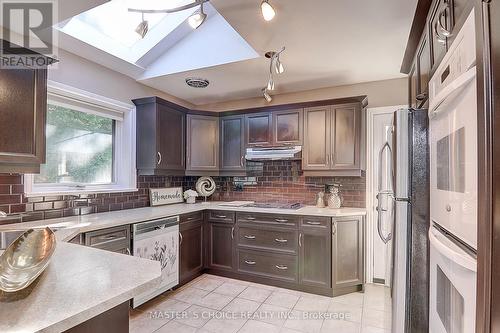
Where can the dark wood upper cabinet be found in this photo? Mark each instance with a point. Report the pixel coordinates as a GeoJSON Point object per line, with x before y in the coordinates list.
{"type": "Point", "coordinates": [23, 112]}
{"type": "Point", "coordinates": [202, 143]}
{"type": "Point", "coordinates": [287, 127]}
{"type": "Point", "coordinates": [191, 248]}
{"type": "Point", "coordinates": [423, 61]}
{"type": "Point", "coordinates": [333, 138]}
{"type": "Point", "coordinates": [439, 21]}
{"type": "Point", "coordinates": [232, 145]}
{"type": "Point", "coordinates": [259, 129]}
{"type": "Point", "coordinates": [161, 129]}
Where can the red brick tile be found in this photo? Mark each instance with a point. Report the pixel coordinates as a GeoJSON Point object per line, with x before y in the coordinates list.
{"type": "Point", "coordinates": [10, 179]}
{"type": "Point", "coordinates": [9, 199]}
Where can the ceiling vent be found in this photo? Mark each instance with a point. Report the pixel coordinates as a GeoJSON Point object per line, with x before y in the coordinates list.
{"type": "Point", "coordinates": [197, 82]}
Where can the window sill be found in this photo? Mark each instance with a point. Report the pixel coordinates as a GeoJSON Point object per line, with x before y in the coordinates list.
{"type": "Point", "coordinates": [78, 192]}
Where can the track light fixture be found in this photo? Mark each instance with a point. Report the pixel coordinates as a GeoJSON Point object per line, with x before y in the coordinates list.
{"type": "Point", "coordinates": [143, 27]}
{"type": "Point", "coordinates": [268, 11]}
{"type": "Point", "coordinates": [194, 20]}
{"type": "Point", "coordinates": [275, 67]}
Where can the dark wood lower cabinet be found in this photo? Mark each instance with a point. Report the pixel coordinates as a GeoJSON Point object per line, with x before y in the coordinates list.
{"type": "Point", "coordinates": [347, 253]}
{"type": "Point", "coordinates": [315, 253]}
{"type": "Point", "coordinates": [113, 320]}
{"type": "Point", "coordinates": [220, 246]}
{"type": "Point", "coordinates": [191, 249]}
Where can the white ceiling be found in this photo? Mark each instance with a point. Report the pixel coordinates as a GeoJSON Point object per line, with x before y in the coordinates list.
{"type": "Point", "coordinates": [328, 43]}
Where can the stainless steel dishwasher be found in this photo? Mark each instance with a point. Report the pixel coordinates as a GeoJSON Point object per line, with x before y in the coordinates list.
{"type": "Point", "coordinates": [158, 240]}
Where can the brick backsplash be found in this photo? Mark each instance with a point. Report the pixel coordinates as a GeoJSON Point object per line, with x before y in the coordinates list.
{"type": "Point", "coordinates": [276, 181]}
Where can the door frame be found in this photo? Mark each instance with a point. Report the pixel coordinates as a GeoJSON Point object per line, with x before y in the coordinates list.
{"type": "Point", "coordinates": [370, 190]}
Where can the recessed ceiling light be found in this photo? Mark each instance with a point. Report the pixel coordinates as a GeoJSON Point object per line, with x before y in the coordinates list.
{"type": "Point", "coordinates": [268, 11]}
{"type": "Point", "coordinates": [196, 82]}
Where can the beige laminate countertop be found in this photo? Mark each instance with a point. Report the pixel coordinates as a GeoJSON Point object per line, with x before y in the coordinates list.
{"type": "Point", "coordinates": [74, 225]}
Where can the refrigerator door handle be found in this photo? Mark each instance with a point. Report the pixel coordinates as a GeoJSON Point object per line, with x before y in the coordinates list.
{"type": "Point", "coordinates": [389, 193]}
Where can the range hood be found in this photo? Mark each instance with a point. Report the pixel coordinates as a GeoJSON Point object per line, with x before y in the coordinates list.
{"type": "Point", "coordinates": [274, 153]}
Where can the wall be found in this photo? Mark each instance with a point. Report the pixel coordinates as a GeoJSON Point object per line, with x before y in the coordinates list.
{"type": "Point", "coordinates": [279, 181]}
{"type": "Point", "coordinates": [380, 93]}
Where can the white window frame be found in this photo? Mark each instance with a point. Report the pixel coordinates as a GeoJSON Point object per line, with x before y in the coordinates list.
{"type": "Point", "coordinates": [124, 167]}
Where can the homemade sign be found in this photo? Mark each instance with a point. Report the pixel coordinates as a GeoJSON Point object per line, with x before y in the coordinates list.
{"type": "Point", "coordinates": [165, 196]}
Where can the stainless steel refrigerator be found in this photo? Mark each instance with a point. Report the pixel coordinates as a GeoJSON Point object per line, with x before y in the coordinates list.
{"type": "Point", "coordinates": [406, 197]}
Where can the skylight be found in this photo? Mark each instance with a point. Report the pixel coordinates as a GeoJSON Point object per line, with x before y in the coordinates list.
{"type": "Point", "coordinates": [111, 27]}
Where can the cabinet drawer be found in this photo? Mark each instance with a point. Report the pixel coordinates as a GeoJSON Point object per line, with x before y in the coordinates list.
{"type": "Point", "coordinates": [196, 216]}
{"type": "Point", "coordinates": [315, 222]}
{"type": "Point", "coordinates": [267, 239]}
{"type": "Point", "coordinates": [220, 216]}
{"type": "Point", "coordinates": [112, 235]}
{"type": "Point", "coordinates": [267, 264]}
{"type": "Point", "coordinates": [269, 219]}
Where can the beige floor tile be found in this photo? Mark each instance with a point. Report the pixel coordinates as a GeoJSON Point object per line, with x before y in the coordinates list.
{"type": "Point", "coordinates": [371, 329]}
{"type": "Point", "coordinates": [341, 326]}
{"type": "Point", "coordinates": [230, 288]}
{"type": "Point", "coordinates": [208, 283]}
{"type": "Point", "coordinates": [213, 301]}
{"type": "Point", "coordinates": [351, 299]}
{"type": "Point", "coordinates": [282, 299]}
{"type": "Point", "coordinates": [256, 294]}
{"type": "Point", "coordinates": [272, 314]}
{"type": "Point", "coordinates": [253, 326]}
{"type": "Point", "coordinates": [312, 303]}
{"type": "Point", "coordinates": [142, 322]}
{"type": "Point", "coordinates": [224, 325]}
{"type": "Point", "coordinates": [346, 311]}
{"type": "Point", "coordinates": [301, 321]}
{"type": "Point", "coordinates": [195, 316]}
{"type": "Point", "coordinates": [243, 306]}
{"type": "Point", "coordinates": [190, 295]}
{"type": "Point", "coordinates": [375, 318]}
{"type": "Point", "coordinates": [176, 327]}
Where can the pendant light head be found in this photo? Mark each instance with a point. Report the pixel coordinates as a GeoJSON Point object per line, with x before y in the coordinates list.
{"type": "Point", "coordinates": [266, 95]}
{"type": "Point", "coordinates": [268, 11]}
{"type": "Point", "coordinates": [270, 83]}
{"type": "Point", "coordinates": [278, 66]}
{"type": "Point", "coordinates": [143, 27]}
{"type": "Point", "coordinates": [197, 19]}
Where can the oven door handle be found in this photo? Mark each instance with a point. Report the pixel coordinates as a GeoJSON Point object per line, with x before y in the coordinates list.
{"type": "Point", "coordinates": [457, 255]}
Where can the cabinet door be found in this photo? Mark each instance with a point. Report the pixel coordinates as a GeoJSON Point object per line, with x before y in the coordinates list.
{"type": "Point", "coordinates": [315, 253]}
{"type": "Point", "coordinates": [439, 20]}
{"type": "Point", "coordinates": [202, 143]}
{"type": "Point", "coordinates": [23, 110]}
{"type": "Point", "coordinates": [347, 252]}
{"type": "Point", "coordinates": [424, 69]}
{"type": "Point", "coordinates": [170, 138]}
{"type": "Point", "coordinates": [287, 127]}
{"type": "Point", "coordinates": [220, 251]}
{"type": "Point", "coordinates": [232, 145]}
{"type": "Point", "coordinates": [345, 136]}
{"type": "Point", "coordinates": [317, 143]}
{"type": "Point", "coordinates": [258, 129]}
{"type": "Point", "coordinates": [191, 249]}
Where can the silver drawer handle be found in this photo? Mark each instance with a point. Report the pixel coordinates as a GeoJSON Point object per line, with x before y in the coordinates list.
{"type": "Point", "coordinates": [281, 240]}
{"type": "Point", "coordinates": [281, 220]}
{"type": "Point", "coordinates": [128, 251]}
{"type": "Point", "coordinates": [221, 216]}
{"type": "Point", "coordinates": [313, 223]}
{"type": "Point", "coordinates": [108, 236]}
{"type": "Point", "coordinates": [250, 218]}
{"type": "Point", "coordinates": [180, 238]}
{"type": "Point", "coordinates": [250, 262]}
{"type": "Point", "coordinates": [159, 158]}
{"type": "Point", "coordinates": [249, 237]}
{"type": "Point", "coordinates": [282, 267]}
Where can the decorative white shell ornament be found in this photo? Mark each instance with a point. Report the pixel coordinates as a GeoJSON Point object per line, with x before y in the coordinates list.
{"type": "Point", "coordinates": [205, 186]}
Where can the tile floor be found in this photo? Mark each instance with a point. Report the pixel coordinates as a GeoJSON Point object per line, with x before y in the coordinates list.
{"type": "Point", "coordinates": [213, 304]}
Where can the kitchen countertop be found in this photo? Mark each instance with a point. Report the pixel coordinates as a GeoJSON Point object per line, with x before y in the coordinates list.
{"type": "Point", "coordinates": [84, 223]}
{"type": "Point", "coordinates": [79, 284]}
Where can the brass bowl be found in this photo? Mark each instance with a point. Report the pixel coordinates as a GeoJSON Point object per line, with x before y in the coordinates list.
{"type": "Point", "coordinates": [26, 258]}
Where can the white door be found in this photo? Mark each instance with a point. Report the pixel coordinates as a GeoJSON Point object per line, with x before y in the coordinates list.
{"type": "Point", "coordinates": [379, 253]}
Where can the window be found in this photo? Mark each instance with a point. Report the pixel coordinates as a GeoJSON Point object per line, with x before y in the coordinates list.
{"type": "Point", "coordinates": [86, 134]}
